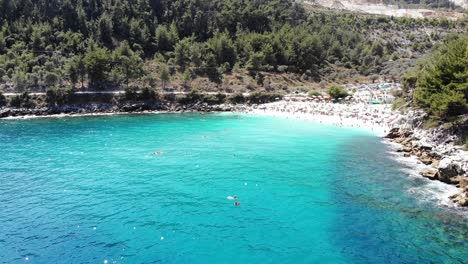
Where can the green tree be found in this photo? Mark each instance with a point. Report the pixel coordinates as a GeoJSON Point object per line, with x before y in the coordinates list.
{"type": "Point", "coordinates": [187, 78]}
{"type": "Point", "coordinates": [164, 76]}
{"type": "Point", "coordinates": [51, 79]}
{"type": "Point", "coordinates": [129, 64]}
{"type": "Point", "coordinates": [20, 80]}
{"type": "Point", "coordinates": [182, 53]}
{"type": "Point", "coordinates": [223, 48]}
{"type": "Point", "coordinates": [105, 30]}
{"type": "Point", "coordinates": [97, 66]}
{"type": "Point", "coordinates": [73, 73]}
{"type": "Point", "coordinates": [166, 38]}
{"type": "Point", "coordinates": [3, 100]}
{"type": "Point", "coordinates": [2, 43]}
{"type": "Point", "coordinates": [441, 83]}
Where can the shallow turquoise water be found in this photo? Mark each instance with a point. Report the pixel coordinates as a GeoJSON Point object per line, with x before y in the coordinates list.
{"type": "Point", "coordinates": [86, 190]}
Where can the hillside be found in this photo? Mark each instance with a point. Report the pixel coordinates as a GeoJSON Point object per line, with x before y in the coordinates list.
{"type": "Point", "coordinates": [210, 45]}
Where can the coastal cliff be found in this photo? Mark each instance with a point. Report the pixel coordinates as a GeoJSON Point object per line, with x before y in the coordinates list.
{"type": "Point", "coordinates": [439, 148]}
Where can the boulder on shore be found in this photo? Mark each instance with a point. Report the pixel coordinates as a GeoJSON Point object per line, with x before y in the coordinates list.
{"type": "Point", "coordinates": [461, 198]}
{"type": "Point", "coordinates": [449, 169]}
{"type": "Point", "coordinates": [430, 173]}
{"type": "Point", "coordinates": [394, 133]}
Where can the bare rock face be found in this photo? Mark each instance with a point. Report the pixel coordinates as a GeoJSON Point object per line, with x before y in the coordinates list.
{"type": "Point", "coordinates": [449, 169]}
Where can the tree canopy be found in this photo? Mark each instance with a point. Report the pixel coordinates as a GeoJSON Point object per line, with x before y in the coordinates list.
{"type": "Point", "coordinates": [441, 84]}
{"type": "Point", "coordinates": [105, 44]}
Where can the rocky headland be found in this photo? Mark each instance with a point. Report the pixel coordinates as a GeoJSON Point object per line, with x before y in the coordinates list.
{"type": "Point", "coordinates": [438, 148]}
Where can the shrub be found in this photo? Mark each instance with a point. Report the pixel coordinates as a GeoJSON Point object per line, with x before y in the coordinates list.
{"type": "Point", "coordinates": [237, 99]}
{"type": "Point", "coordinates": [262, 98]}
{"type": "Point", "coordinates": [56, 96]}
{"type": "Point", "coordinates": [314, 93]}
{"type": "Point", "coordinates": [218, 98]}
{"type": "Point", "coordinates": [398, 104]}
{"type": "Point", "coordinates": [336, 91]}
{"type": "Point", "coordinates": [22, 100]}
{"type": "Point", "coordinates": [3, 100]}
{"type": "Point", "coordinates": [193, 96]}
{"type": "Point", "coordinates": [148, 94]}
{"type": "Point", "coordinates": [131, 93]}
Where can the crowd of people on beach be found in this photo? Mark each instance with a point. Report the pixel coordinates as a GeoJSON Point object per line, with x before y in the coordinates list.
{"type": "Point", "coordinates": [378, 118]}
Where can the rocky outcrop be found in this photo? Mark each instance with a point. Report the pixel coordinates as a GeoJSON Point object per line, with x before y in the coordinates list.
{"type": "Point", "coordinates": [394, 133]}
{"type": "Point", "coordinates": [461, 198]}
{"type": "Point", "coordinates": [430, 173]}
{"type": "Point", "coordinates": [436, 148]}
{"type": "Point", "coordinates": [449, 169]}
{"type": "Point", "coordinates": [121, 108]}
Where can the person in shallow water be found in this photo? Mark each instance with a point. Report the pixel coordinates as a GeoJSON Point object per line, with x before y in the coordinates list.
{"type": "Point", "coordinates": [157, 153]}
{"type": "Point", "coordinates": [237, 203]}
{"type": "Point", "coordinates": [232, 197]}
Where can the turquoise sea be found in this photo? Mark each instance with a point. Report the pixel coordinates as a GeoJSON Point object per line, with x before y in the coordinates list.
{"type": "Point", "coordinates": [89, 190]}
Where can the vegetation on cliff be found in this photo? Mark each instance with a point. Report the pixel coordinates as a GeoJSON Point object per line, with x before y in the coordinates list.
{"type": "Point", "coordinates": [440, 82]}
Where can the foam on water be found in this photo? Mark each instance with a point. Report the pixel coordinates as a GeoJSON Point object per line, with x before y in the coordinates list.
{"type": "Point", "coordinates": [429, 191]}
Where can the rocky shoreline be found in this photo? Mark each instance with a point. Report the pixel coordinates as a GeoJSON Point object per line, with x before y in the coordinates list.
{"type": "Point", "coordinates": [437, 149]}
{"type": "Point", "coordinates": [104, 108]}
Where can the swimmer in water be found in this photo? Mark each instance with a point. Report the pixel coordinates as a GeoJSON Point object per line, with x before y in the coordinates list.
{"type": "Point", "coordinates": [237, 203]}
{"type": "Point", "coordinates": [157, 153]}
{"type": "Point", "coordinates": [232, 197]}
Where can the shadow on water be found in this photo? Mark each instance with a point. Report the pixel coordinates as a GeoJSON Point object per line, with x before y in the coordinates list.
{"type": "Point", "coordinates": [377, 215]}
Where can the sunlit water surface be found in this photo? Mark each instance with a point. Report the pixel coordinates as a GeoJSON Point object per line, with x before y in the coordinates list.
{"type": "Point", "coordinates": [89, 190]}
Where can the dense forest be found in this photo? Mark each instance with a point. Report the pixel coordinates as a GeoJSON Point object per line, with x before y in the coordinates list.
{"type": "Point", "coordinates": [106, 44]}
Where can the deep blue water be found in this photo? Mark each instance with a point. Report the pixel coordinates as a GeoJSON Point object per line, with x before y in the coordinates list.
{"type": "Point", "coordinates": [87, 190]}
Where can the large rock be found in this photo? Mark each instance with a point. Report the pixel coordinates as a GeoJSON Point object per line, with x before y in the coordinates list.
{"type": "Point", "coordinates": [394, 133]}
{"type": "Point", "coordinates": [449, 169]}
{"type": "Point", "coordinates": [404, 149]}
{"type": "Point", "coordinates": [426, 158]}
{"type": "Point", "coordinates": [463, 183]}
{"type": "Point", "coordinates": [461, 198]}
{"type": "Point", "coordinates": [430, 173]}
